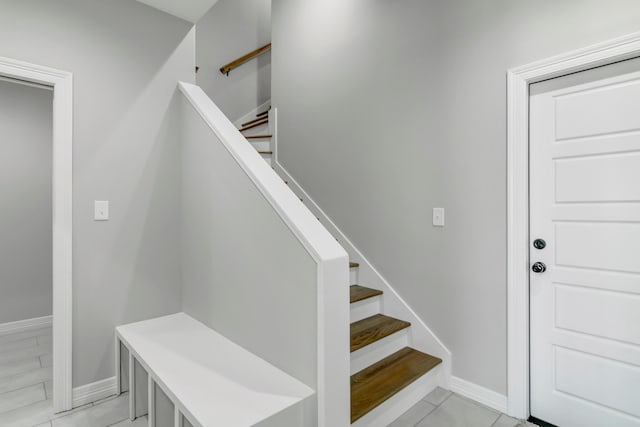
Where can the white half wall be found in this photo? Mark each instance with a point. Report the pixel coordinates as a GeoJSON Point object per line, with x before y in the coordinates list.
{"type": "Point", "coordinates": [257, 265]}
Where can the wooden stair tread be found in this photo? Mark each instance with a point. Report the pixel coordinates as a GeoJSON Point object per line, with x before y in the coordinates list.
{"type": "Point", "coordinates": [359, 293]}
{"type": "Point", "coordinates": [374, 328]}
{"type": "Point", "coordinates": [266, 152]}
{"type": "Point", "coordinates": [258, 136]}
{"type": "Point", "coordinates": [253, 125]}
{"type": "Point", "coordinates": [263, 113]}
{"type": "Point", "coordinates": [253, 121]}
{"type": "Point", "coordinates": [380, 381]}
{"type": "Point", "coordinates": [353, 265]}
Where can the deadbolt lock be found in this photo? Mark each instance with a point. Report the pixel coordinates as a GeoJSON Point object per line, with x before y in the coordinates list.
{"type": "Point", "coordinates": [539, 244]}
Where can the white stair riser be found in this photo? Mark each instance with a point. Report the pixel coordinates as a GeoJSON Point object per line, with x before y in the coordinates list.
{"type": "Point", "coordinates": [353, 276]}
{"type": "Point", "coordinates": [397, 405]}
{"type": "Point", "coordinates": [261, 144]}
{"type": "Point", "coordinates": [365, 308]}
{"type": "Point", "coordinates": [367, 356]}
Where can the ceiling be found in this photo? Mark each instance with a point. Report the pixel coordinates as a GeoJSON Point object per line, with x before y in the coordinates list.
{"type": "Point", "coordinates": [189, 10]}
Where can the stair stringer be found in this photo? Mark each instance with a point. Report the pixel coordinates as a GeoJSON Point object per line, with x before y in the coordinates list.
{"type": "Point", "coordinates": [422, 337]}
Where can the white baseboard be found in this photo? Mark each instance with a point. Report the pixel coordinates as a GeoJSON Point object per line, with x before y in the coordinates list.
{"type": "Point", "coordinates": [26, 325]}
{"type": "Point", "coordinates": [480, 394]}
{"type": "Point", "coordinates": [95, 391]}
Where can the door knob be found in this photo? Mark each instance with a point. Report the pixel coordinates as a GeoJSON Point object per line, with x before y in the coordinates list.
{"type": "Point", "coordinates": [539, 244]}
{"type": "Point", "coordinates": [539, 267]}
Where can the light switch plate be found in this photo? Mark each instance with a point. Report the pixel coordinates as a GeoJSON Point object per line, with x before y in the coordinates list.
{"type": "Point", "coordinates": [438, 217]}
{"type": "Point", "coordinates": [101, 210]}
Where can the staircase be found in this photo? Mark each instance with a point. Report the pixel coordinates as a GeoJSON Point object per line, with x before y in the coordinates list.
{"type": "Point", "coordinates": [259, 134]}
{"type": "Point", "coordinates": [385, 370]}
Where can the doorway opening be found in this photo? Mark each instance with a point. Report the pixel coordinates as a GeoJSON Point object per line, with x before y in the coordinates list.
{"type": "Point", "coordinates": [26, 80]}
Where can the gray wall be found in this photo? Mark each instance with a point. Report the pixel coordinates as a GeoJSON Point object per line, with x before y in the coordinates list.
{"type": "Point", "coordinates": [405, 104]}
{"type": "Point", "coordinates": [234, 281]}
{"type": "Point", "coordinates": [25, 202]}
{"type": "Point", "coordinates": [229, 30]}
{"type": "Point", "coordinates": [126, 59]}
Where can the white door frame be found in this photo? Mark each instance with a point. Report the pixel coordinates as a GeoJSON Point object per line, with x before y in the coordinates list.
{"type": "Point", "coordinates": [518, 80]}
{"type": "Point", "coordinates": [62, 84]}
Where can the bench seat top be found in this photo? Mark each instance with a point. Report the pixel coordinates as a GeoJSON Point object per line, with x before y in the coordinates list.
{"type": "Point", "coordinates": [211, 380]}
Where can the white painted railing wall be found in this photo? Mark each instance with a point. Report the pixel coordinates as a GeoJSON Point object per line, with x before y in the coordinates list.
{"type": "Point", "coordinates": [258, 266]}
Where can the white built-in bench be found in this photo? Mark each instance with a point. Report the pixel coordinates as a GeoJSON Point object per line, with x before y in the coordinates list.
{"type": "Point", "coordinates": [210, 380]}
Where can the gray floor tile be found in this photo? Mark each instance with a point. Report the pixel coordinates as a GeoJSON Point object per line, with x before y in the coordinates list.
{"type": "Point", "coordinates": [18, 381]}
{"type": "Point", "coordinates": [31, 415]}
{"type": "Point", "coordinates": [23, 397]}
{"type": "Point", "coordinates": [48, 389]}
{"type": "Point", "coordinates": [47, 339]}
{"type": "Point", "coordinates": [46, 360]}
{"type": "Point", "coordinates": [459, 412]}
{"type": "Point", "coordinates": [505, 421]}
{"type": "Point", "coordinates": [22, 335]}
{"type": "Point", "coordinates": [17, 345]}
{"type": "Point", "coordinates": [72, 411]}
{"type": "Point", "coordinates": [23, 353]}
{"type": "Point", "coordinates": [18, 366]}
{"type": "Point", "coordinates": [105, 414]}
{"type": "Point", "coordinates": [138, 422]}
{"type": "Point", "coordinates": [414, 415]}
{"type": "Point", "coordinates": [437, 396]}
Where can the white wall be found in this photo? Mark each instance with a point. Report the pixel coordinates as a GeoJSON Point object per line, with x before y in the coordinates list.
{"type": "Point", "coordinates": [229, 30]}
{"type": "Point", "coordinates": [245, 273]}
{"type": "Point", "coordinates": [126, 59]}
{"type": "Point", "coordinates": [25, 202]}
{"type": "Point", "coordinates": [388, 109]}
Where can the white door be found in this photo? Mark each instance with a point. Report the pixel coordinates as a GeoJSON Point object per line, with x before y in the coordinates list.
{"type": "Point", "coordinates": [585, 205]}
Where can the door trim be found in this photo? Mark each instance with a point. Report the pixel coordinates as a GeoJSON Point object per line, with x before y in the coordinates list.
{"type": "Point", "coordinates": [62, 84]}
{"type": "Point", "coordinates": [518, 81]}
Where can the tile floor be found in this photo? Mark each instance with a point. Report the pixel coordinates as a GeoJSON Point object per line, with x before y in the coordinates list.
{"type": "Point", "coordinates": [25, 389]}
{"type": "Point", "coordinates": [441, 408]}
{"type": "Point", "coordinates": [25, 396]}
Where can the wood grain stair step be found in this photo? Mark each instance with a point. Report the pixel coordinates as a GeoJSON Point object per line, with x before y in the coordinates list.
{"type": "Point", "coordinates": [258, 136]}
{"type": "Point", "coordinates": [253, 121]}
{"type": "Point", "coordinates": [253, 125]}
{"type": "Point", "coordinates": [353, 264]}
{"type": "Point", "coordinates": [374, 328]}
{"type": "Point", "coordinates": [265, 152]}
{"type": "Point", "coordinates": [263, 113]}
{"type": "Point", "coordinates": [359, 293]}
{"type": "Point", "coordinates": [382, 380]}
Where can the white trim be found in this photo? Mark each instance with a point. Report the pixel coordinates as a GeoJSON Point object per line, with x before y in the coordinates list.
{"type": "Point", "coordinates": [25, 325]}
{"type": "Point", "coordinates": [480, 394]}
{"type": "Point", "coordinates": [423, 338]}
{"type": "Point", "coordinates": [331, 260]}
{"type": "Point", "coordinates": [151, 397]}
{"type": "Point", "coordinates": [518, 80]}
{"type": "Point", "coordinates": [93, 392]}
{"type": "Point", "coordinates": [62, 83]}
